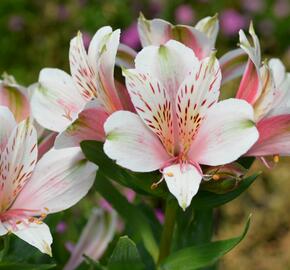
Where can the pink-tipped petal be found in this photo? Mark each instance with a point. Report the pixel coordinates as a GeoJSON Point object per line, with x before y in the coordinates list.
{"type": "Point", "coordinates": [88, 126]}
{"type": "Point", "coordinates": [227, 132]}
{"type": "Point", "coordinates": [200, 39]}
{"type": "Point", "coordinates": [60, 179]}
{"type": "Point", "coordinates": [153, 104]}
{"type": "Point", "coordinates": [17, 162]}
{"type": "Point", "coordinates": [8, 123]}
{"type": "Point", "coordinates": [56, 102]}
{"type": "Point", "coordinates": [274, 137]}
{"type": "Point", "coordinates": [102, 57]}
{"type": "Point", "coordinates": [233, 64]}
{"type": "Point", "coordinates": [183, 182]}
{"type": "Point", "coordinates": [198, 92]}
{"type": "Point", "coordinates": [132, 144]}
{"type": "Point", "coordinates": [249, 88]}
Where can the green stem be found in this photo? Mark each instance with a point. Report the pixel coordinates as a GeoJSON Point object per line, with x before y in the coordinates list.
{"type": "Point", "coordinates": [168, 229]}
{"type": "Point", "coordinates": [5, 250]}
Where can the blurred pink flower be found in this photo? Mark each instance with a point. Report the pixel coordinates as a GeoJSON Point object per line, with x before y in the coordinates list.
{"type": "Point", "coordinates": [231, 22]}
{"type": "Point", "coordinates": [62, 13]}
{"type": "Point", "coordinates": [282, 8]}
{"type": "Point", "coordinates": [130, 36]}
{"type": "Point", "coordinates": [61, 227]}
{"type": "Point", "coordinates": [104, 204]}
{"type": "Point", "coordinates": [16, 23]}
{"type": "Point", "coordinates": [159, 215]}
{"type": "Point", "coordinates": [253, 5]}
{"type": "Point", "coordinates": [130, 194]}
{"type": "Point", "coordinates": [184, 14]}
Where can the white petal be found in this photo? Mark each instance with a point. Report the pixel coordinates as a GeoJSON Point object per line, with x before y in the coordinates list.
{"type": "Point", "coordinates": [60, 179]}
{"type": "Point", "coordinates": [37, 235]}
{"type": "Point", "coordinates": [227, 132]}
{"type": "Point", "coordinates": [56, 102]}
{"type": "Point", "coordinates": [153, 104]}
{"type": "Point", "coordinates": [17, 162]}
{"type": "Point", "coordinates": [170, 64]}
{"type": "Point", "coordinates": [132, 144]}
{"type": "Point", "coordinates": [198, 92]}
{"type": "Point", "coordinates": [3, 229]}
{"type": "Point", "coordinates": [183, 182]}
{"type": "Point", "coordinates": [8, 123]}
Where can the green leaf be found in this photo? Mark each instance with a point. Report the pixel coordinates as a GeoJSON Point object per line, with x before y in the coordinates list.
{"type": "Point", "coordinates": [23, 266]}
{"type": "Point", "coordinates": [194, 257]}
{"type": "Point", "coordinates": [125, 256]}
{"type": "Point", "coordinates": [206, 199]}
{"type": "Point", "coordinates": [139, 182]}
{"type": "Point", "coordinates": [132, 215]}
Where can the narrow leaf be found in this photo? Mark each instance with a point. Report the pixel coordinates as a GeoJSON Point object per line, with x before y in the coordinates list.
{"type": "Point", "coordinates": [202, 255]}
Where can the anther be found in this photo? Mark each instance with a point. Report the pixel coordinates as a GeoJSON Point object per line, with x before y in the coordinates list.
{"type": "Point", "coordinates": [276, 158]}
{"type": "Point", "coordinates": [155, 185]}
{"type": "Point", "coordinates": [216, 177]}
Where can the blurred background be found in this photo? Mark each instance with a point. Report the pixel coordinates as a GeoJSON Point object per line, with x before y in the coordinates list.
{"type": "Point", "coordinates": [36, 34]}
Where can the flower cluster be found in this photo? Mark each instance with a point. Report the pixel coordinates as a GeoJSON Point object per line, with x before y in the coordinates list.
{"type": "Point", "coordinates": [164, 114]}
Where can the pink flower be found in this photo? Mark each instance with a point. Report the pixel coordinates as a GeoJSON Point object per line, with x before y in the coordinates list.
{"type": "Point", "coordinates": [77, 105]}
{"type": "Point", "coordinates": [180, 123]}
{"type": "Point", "coordinates": [29, 190]}
{"type": "Point", "coordinates": [184, 14]}
{"type": "Point", "coordinates": [232, 22]}
{"type": "Point", "coordinates": [282, 8]}
{"type": "Point", "coordinates": [267, 87]}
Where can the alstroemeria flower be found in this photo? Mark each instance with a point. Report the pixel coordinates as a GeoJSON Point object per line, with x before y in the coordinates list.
{"type": "Point", "coordinates": [180, 124]}
{"type": "Point", "coordinates": [77, 105]}
{"type": "Point", "coordinates": [201, 39]}
{"type": "Point", "coordinates": [29, 190]}
{"type": "Point", "coordinates": [267, 88]}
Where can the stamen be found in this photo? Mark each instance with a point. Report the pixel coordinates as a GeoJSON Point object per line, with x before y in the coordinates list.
{"type": "Point", "coordinates": [155, 185]}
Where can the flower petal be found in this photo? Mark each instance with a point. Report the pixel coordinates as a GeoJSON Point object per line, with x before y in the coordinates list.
{"type": "Point", "coordinates": [17, 162]}
{"type": "Point", "coordinates": [88, 126]}
{"type": "Point", "coordinates": [125, 56]}
{"type": "Point", "coordinates": [226, 133]}
{"type": "Point", "coordinates": [274, 137]}
{"type": "Point", "coordinates": [198, 92]}
{"type": "Point", "coordinates": [233, 64]}
{"type": "Point", "coordinates": [132, 144]}
{"type": "Point", "coordinates": [60, 179]}
{"type": "Point", "coordinates": [56, 101]}
{"type": "Point", "coordinates": [265, 101]}
{"type": "Point", "coordinates": [182, 182]}
{"type": "Point", "coordinates": [158, 32]}
{"type": "Point", "coordinates": [153, 104]}
{"type": "Point", "coordinates": [3, 229]}
{"type": "Point", "coordinates": [37, 235]}
{"type": "Point", "coordinates": [249, 88]}
{"type": "Point", "coordinates": [8, 123]}
{"type": "Point", "coordinates": [102, 57]}
{"type": "Point", "coordinates": [170, 64]}
{"type": "Point", "coordinates": [209, 26]}
{"type": "Point", "coordinates": [14, 97]}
